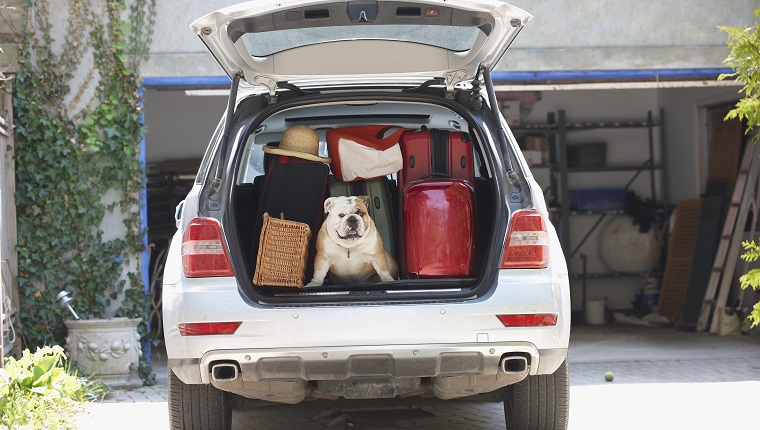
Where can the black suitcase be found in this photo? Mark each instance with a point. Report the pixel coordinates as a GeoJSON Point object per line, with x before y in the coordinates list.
{"type": "Point", "coordinates": [297, 189]}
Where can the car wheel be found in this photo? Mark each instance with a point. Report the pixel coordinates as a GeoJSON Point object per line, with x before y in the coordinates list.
{"type": "Point", "coordinates": [197, 406]}
{"type": "Point", "coordinates": [539, 402]}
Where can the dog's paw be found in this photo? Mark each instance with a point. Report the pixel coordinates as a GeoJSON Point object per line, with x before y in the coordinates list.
{"type": "Point", "coordinates": [312, 284]}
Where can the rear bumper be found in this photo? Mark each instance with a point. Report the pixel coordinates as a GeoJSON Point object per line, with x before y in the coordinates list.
{"type": "Point", "coordinates": [446, 371]}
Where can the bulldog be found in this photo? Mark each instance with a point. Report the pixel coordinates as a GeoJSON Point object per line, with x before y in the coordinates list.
{"type": "Point", "coordinates": [349, 246]}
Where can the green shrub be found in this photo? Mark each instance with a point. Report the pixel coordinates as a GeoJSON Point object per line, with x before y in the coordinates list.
{"type": "Point", "coordinates": [751, 279]}
{"type": "Point", "coordinates": [39, 391]}
{"type": "Point", "coordinates": [744, 59]}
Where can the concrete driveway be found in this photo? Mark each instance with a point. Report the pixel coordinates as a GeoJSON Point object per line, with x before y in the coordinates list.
{"type": "Point", "coordinates": [664, 379]}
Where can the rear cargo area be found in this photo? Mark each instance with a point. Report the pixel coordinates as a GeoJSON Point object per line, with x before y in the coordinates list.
{"type": "Point", "coordinates": [430, 194]}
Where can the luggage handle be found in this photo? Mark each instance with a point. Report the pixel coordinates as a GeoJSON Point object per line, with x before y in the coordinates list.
{"type": "Point", "coordinates": [378, 137]}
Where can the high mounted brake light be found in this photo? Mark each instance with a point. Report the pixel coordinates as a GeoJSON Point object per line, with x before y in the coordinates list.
{"type": "Point", "coordinates": [203, 251]}
{"type": "Point", "coordinates": [527, 244]}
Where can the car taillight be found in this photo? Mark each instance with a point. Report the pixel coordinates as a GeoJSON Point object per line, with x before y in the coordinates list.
{"type": "Point", "coordinates": [527, 241]}
{"type": "Point", "coordinates": [203, 251]}
{"type": "Point", "coordinates": [528, 320]}
{"type": "Point", "coordinates": [208, 328]}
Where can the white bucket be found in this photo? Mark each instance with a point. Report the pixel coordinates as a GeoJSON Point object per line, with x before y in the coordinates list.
{"type": "Point", "coordinates": [595, 311]}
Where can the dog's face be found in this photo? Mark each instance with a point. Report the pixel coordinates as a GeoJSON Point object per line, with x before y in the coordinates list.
{"type": "Point", "coordinates": [347, 218]}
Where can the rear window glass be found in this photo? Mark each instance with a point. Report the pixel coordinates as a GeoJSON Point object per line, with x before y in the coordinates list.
{"type": "Point", "coordinates": [452, 38]}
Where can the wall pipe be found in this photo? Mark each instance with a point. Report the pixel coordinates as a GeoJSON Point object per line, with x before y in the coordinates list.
{"type": "Point", "coordinates": [183, 82]}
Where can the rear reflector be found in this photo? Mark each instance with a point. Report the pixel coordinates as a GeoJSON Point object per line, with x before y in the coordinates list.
{"type": "Point", "coordinates": [203, 251]}
{"type": "Point", "coordinates": [528, 320]}
{"type": "Point", "coordinates": [527, 241]}
{"type": "Point", "coordinates": [211, 328]}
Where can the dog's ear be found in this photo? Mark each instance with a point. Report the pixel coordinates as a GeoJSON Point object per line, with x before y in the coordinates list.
{"type": "Point", "coordinates": [329, 203]}
{"type": "Point", "coordinates": [364, 199]}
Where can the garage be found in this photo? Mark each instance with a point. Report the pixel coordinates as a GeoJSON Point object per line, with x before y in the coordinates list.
{"type": "Point", "coordinates": [653, 140]}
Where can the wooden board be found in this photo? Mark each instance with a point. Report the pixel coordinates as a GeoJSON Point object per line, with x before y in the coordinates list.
{"type": "Point", "coordinates": [675, 281]}
{"type": "Point", "coordinates": [725, 145]}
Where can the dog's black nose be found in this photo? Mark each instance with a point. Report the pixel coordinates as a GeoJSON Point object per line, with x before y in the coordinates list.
{"type": "Point", "coordinates": [352, 222]}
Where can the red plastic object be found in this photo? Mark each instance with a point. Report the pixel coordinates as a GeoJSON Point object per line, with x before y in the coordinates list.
{"type": "Point", "coordinates": [439, 229]}
{"type": "Point", "coordinates": [436, 151]}
{"type": "Point", "coordinates": [208, 328]}
{"type": "Point", "coordinates": [528, 320]}
{"type": "Point", "coordinates": [527, 241]}
{"type": "Point", "coordinates": [204, 253]}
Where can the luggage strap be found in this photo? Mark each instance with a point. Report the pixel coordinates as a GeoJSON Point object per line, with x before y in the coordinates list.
{"type": "Point", "coordinates": [439, 151]}
{"type": "Point", "coordinates": [357, 188]}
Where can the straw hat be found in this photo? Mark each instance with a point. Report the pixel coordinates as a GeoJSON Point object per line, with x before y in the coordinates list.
{"type": "Point", "coordinates": [298, 141]}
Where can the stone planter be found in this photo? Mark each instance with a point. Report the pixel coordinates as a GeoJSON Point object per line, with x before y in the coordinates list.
{"type": "Point", "coordinates": [109, 349]}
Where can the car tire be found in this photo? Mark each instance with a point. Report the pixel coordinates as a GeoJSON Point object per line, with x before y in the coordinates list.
{"type": "Point", "coordinates": [540, 402]}
{"type": "Point", "coordinates": [197, 406]}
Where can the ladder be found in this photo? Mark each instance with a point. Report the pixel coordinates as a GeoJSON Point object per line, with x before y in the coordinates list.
{"type": "Point", "coordinates": [724, 264]}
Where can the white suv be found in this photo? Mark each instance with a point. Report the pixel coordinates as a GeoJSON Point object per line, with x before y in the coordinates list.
{"type": "Point", "coordinates": [500, 334]}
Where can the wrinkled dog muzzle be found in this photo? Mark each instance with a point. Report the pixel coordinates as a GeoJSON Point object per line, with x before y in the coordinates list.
{"type": "Point", "coordinates": [351, 227]}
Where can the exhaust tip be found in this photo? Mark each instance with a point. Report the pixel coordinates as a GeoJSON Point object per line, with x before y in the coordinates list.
{"type": "Point", "coordinates": [224, 372]}
{"type": "Point", "coordinates": [514, 364]}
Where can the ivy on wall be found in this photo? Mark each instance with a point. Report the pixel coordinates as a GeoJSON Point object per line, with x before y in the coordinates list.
{"type": "Point", "coordinates": [79, 167]}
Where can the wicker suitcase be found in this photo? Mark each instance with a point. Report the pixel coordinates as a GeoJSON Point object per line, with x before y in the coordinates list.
{"type": "Point", "coordinates": [283, 252]}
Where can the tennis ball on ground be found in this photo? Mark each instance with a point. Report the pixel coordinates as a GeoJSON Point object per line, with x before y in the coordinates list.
{"type": "Point", "coordinates": [609, 376]}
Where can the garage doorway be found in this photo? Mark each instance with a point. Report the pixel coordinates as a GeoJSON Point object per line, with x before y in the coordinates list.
{"type": "Point", "coordinates": [180, 126]}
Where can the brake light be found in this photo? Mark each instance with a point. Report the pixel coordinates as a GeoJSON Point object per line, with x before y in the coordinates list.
{"type": "Point", "coordinates": [208, 328]}
{"type": "Point", "coordinates": [527, 241]}
{"type": "Point", "coordinates": [203, 251]}
{"type": "Point", "coordinates": [528, 320]}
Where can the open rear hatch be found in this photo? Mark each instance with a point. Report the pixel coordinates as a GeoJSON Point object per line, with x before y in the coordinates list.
{"type": "Point", "coordinates": [266, 42]}
{"type": "Point", "coordinates": [283, 45]}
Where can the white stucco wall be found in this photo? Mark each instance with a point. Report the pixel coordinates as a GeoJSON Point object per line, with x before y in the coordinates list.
{"type": "Point", "coordinates": [622, 34]}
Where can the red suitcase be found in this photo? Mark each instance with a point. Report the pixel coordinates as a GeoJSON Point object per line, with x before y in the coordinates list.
{"type": "Point", "coordinates": [438, 229]}
{"type": "Point", "coordinates": [436, 151]}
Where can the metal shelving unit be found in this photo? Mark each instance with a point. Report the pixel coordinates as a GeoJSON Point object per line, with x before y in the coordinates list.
{"type": "Point", "coordinates": [557, 129]}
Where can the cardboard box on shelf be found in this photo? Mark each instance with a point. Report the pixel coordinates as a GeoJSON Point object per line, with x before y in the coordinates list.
{"type": "Point", "coordinates": [511, 111]}
{"type": "Point", "coordinates": [532, 157]}
{"type": "Point", "coordinates": [538, 143]}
